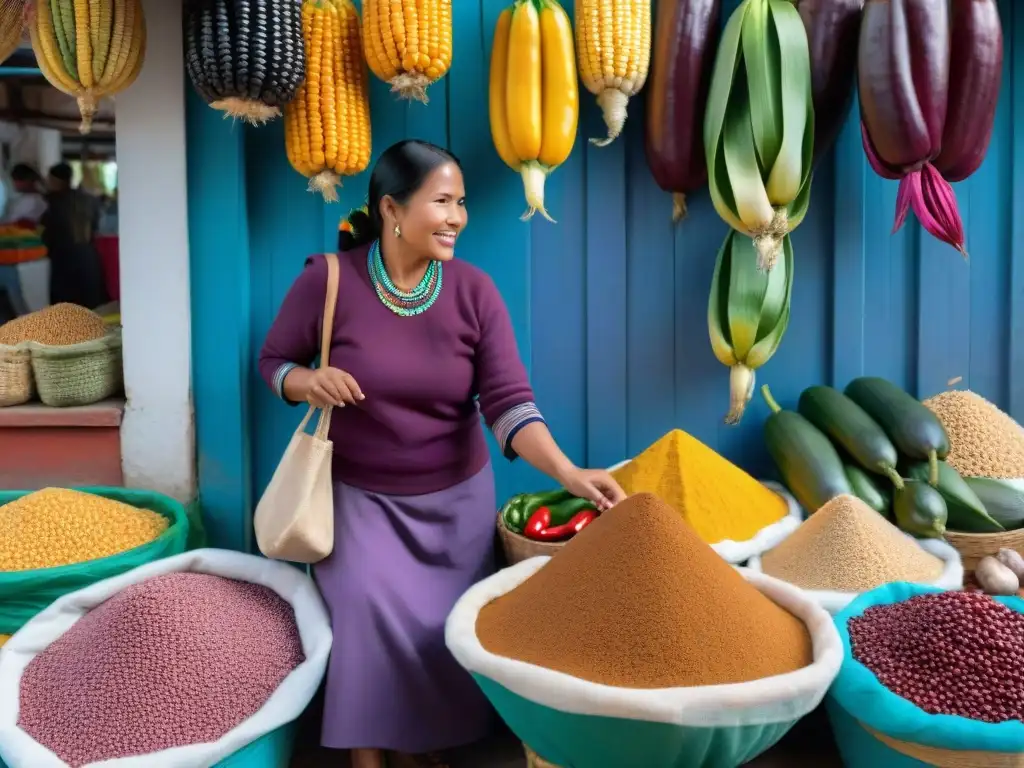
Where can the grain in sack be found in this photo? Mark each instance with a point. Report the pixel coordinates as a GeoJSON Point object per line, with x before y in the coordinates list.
{"type": "Point", "coordinates": [182, 662]}
{"type": "Point", "coordinates": [673, 657]}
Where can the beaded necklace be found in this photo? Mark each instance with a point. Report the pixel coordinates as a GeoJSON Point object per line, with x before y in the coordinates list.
{"type": "Point", "coordinates": [404, 303]}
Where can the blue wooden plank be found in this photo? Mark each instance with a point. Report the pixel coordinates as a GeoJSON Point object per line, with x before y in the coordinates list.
{"type": "Point", "coordinates": [650, 294]}
{"type": "Point", "coordinates": [849, 286]}
{"type": "Point", "coordinates": [989, 246]}
{"type": "Point", "coordinates": [221, 342]}
{"type": "Point", "coordinates": [606, 278]}
{"type": "Point", "coordinates": [1015, 379]}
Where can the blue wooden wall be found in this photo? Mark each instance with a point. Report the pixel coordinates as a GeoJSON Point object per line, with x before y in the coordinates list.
{"type": "Point", "coordinates": [609, 305]}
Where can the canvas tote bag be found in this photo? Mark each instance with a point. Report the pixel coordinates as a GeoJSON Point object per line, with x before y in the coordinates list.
{"type": "Point", "coordinates": [294, 519]}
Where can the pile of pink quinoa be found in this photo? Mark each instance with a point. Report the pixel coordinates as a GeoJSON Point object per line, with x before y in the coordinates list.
{"type": "Point", "coordinates": [176, 660]}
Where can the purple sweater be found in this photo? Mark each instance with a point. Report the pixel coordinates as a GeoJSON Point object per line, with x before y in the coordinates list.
{"type": "Point", "coordinates": [418, 430]}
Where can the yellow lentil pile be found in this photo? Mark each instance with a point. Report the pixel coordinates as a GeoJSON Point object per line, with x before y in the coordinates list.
{"type": "Point", "coordinates": [848, 547]}
{"type": "Point", "coordinates": [58, 526]}
{"type": "Point", "coordinates": [984, 441]}
{"type": "Point", "coordinates": [4, 639]}
{"type": "Point", "coordinates": [717, 498]}
{"type": "Point", "coordinates": [57, 325]}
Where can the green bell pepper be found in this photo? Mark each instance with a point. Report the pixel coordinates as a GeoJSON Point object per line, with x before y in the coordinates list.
{"type": "Point", "coordinates": [563, 506]}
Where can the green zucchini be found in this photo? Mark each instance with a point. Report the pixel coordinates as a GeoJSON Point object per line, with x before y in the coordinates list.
{"type": "Point", "coordinates": [920, 510]}
{"type": "Point", "coordinates": [808, 462]}
{"type": "Point", "coordinates": [916, 432]}
{"type": "Point", "coordinates": [1004, 503]}
{"type": "Point", "coordinates": [966, 512]}
{"type": "Point", "coordinates": [874, 494]}
{"type": "Point", "coordinates": [852, 429]}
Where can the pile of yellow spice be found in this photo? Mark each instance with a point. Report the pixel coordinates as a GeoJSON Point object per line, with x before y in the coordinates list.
{"type": "Point", "coordinates": [984, 441]}
{"type": "Point", "coordinates": [717, 498]}
{"type": "Point", "coordinates": [59, 526]}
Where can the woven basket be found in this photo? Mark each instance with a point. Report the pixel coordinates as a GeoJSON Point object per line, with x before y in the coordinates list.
{"type": "Point", "coordinates": [533, 760]}
{"type": "Point", "coordinates": [79, 374]}
{"type": "Point", "coordinates": [974, 546]}
{"type": "Point", "coordinates": [518, 548]}
{"type": "Point", "coordinates": [17, 384]}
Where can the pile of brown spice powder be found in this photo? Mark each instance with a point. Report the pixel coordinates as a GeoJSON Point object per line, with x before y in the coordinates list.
{"type": "Point", "coordinates": [637, 600]}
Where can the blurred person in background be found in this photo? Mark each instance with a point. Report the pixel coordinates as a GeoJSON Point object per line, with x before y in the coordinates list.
{"type": "Point", "coordinates": [27, 205]}
{"type": "Point", "coordinates": [69, 226]}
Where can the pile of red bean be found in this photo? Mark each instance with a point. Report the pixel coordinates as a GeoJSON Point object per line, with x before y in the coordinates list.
{"type": "Point", "coordinates": [950, 653]}
{"type": "Point", "coordinates": [175, 660]}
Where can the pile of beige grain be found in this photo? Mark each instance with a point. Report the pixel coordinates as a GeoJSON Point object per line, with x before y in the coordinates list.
{"type": "Point", "coordinates": [848, 547]}
{"type": "Point", "coordinates": [56, 325]}
{"type": "Point", "coordinates": [984, 441]}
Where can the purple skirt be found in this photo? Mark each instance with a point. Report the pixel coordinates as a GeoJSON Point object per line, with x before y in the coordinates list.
{"type": "Point", "coordinates": [398, 566]}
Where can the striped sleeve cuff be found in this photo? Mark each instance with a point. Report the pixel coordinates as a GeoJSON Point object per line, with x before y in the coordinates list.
{"type": "Point", "coordinates": [277, 383]}
{"type": "Point", "coordinates": [509, 424]}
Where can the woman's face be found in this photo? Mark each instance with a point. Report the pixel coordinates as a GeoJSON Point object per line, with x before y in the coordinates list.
{"type": "Point", "coordinates": [435, 215]}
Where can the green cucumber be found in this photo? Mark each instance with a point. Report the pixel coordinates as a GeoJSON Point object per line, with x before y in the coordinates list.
{"type": "Point", "coordinates": [967, 512]}
{"type": "Point", "coordinates": [1004, 502]}
{"type": "Point", "coordinates": [920, 510]}
{"type": "Point", "coordinates": [874, 494]}
{"type": "Point", "coordinates": [808, 462]}
{"type": "Point", "coordinates": [852, 429]}
{"type": "Point", "coordinates": [916, 432]}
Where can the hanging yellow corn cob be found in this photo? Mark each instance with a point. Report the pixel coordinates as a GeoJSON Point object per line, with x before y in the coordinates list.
{"type": "Point", "coordinates": [533, 100]}
{"type": "Point", "coordinates": [12, 25]}
{"type": "Point", "coordinates": [327, 124]}
{"type": "Point", "coordinates": [408, 43]}
{"type": "Point", "coordinates": [88, 48]}
{"type": "Point", "coordinates": [613, 38]}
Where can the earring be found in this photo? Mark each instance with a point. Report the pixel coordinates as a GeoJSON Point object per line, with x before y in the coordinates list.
{"type": "Point", "coordinates": [398, 231]}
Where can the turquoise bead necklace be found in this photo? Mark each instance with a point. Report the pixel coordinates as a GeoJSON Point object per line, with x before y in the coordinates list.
{"type": "Point", "coordinates": [404, 303]}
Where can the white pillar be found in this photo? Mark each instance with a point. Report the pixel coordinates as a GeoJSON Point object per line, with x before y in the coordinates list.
{"type": "Point", "coordinates": [157, 436]}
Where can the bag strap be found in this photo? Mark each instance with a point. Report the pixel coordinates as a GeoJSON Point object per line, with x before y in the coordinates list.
{"type": "Point", "coordinates": [326, 335]}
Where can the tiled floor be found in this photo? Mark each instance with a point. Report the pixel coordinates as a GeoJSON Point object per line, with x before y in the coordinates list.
{"type": "Point", "coordinates": [808, 744]}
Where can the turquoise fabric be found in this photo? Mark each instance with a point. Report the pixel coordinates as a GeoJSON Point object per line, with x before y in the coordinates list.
{"type": "Point", "coordinates": [23, 594]}
{"type": "Point", "coordinates": [587, 741]}
{"type": "Point", "coordinates": [274, 750]}
{"type": "Point", "coordinates": [860, 695]}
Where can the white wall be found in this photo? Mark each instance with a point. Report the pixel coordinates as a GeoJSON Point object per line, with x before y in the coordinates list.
{"type": "Point", "coordinates": [158, 442]}
{"type": "Point", "coordinates": [39, 147]}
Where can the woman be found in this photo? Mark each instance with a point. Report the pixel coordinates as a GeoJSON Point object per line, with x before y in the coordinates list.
{"type": "Point", "coordinates": [422, 345]}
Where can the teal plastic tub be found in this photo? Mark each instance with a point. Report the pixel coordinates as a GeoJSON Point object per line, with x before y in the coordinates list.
{"type": "Point", "coordinates": [271, 751]}
{"type": "Point", "coordinates": [858, 704]}
{"type": "Point", "coordinates": [23, 594]}
{"type": "Point", "coordinates": [572, 722]}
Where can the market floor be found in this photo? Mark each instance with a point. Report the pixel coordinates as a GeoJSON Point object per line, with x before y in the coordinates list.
{"type": "Point", "coordinates": [808, 744]}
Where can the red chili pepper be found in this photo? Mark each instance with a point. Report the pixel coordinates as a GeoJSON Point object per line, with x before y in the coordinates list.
{"type": "Point", "coordinates": [537, 524]}
{"type": "Point", "coordinates": [578, 522]}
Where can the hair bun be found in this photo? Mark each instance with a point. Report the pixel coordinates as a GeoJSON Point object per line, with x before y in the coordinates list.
{"type": "Point", "coordinates": [355, 230]}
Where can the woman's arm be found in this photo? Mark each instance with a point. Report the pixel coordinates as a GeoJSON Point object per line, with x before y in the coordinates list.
{"type": "Point", "coordinates": [293, 340]}
{"type": "Point", "coordinates": [507, 403]}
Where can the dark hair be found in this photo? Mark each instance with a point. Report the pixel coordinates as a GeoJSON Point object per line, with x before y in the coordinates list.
{"type": "Point", "coordinates": [23, 172]}
{"type": "Point", "coordinates": [61, 172]}
{"type": "Point", "coordinates": [399, 172]}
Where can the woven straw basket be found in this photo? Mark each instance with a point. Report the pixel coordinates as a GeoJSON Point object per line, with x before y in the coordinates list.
{"type": "Point", "coordinates": [974, 546]}
{"type": "Point", "coordinates": [518, 548]}
{"type": "Point", "coordinates": [533, 760]}
{"type": "Point", "coordinates": [79, 374]}
{"type": "Point", "coordinates": [17, 385]}
{"type": "Point", "coordinates": [948, 758]}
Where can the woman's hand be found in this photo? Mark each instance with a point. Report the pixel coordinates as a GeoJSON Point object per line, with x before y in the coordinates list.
{"type": "Point", "coordinates": [594, 484]}
{"type": "Point", "coordinates": [332, 386]}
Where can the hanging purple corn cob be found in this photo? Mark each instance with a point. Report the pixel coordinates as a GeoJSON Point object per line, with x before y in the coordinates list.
{"type": "Point", "coordinates": [904, 82]}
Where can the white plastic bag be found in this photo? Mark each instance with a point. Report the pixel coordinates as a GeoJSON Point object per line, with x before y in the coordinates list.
{"type": "Point", "coordinates": [952, 575]}
{"type": "Point", "coordinates": [774, 699]}
{"type": "Point", "coordinates": [767, 538]}
{"type": "Point", "coordinates": [19, 750]}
